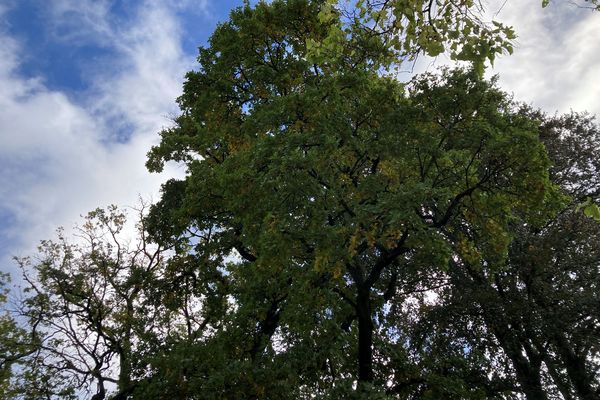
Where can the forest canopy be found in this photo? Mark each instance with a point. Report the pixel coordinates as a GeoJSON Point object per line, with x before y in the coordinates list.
{"type": "Point", "coordinates": [337, 234]}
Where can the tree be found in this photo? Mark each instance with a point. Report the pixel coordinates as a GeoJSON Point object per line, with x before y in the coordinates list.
{"type": "Point", "coordinates": [91, 308]}
{"type": "Point", "coordinates": [538, 312]}
{"type": "Point", "coordinates": [14, 343]}
{"type": "Point", "coordinates": [313, 185]}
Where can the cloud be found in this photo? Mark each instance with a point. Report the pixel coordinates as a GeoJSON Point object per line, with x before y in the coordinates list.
{"type": "Point", "coordinates": [156, 64]}
{"type": "Point", "coordinates": [141, 83]}
{"type": "Point", "coordinates": [81, 22]}
{"type": "Point", "coordinates": [556, 57]}
{"type": "Point", "coordinates": [61, 157]}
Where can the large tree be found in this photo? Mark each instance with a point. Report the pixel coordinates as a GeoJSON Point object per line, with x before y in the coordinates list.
{"type": "Point", "coordinates": [314, 184]}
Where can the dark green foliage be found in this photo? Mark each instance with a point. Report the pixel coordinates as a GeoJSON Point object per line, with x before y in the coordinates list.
{"type": "Point", "coordinates": [318, 191]}
{"type": "Point", "coordinates": [537, 315]}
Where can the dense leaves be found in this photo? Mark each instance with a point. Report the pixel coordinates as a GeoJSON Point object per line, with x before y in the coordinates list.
{"type": "Point", "coordinates": [538, 313]}
{"type": "Point", "coordinates": [314, 187]}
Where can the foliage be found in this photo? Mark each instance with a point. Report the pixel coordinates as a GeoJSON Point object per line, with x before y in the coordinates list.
{"type": "Point", "coordinates": [14, 342]}
{"type": "Point", "coordinates": [460, 29]}
{"type": "Point", "coordinates": [590, 209]}
{"type": "Point", "coordinates": [410, 28]}
{"type": "Point", "coordinates": [317, 188]}
{"type": "Point", "coordinates": [537, 315]}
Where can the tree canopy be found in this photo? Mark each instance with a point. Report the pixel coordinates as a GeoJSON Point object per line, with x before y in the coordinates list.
{"type": "Point", "coordinates": [313, 188]}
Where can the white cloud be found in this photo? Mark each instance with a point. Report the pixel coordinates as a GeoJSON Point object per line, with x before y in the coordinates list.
{"type": "Point", "coordinates": [140, 85]}
{"type": "Point", "coordinates": [557, 56]}
{"type": "Point", "coordinates": [80, 22]}
{"type": "Point", "coordinates": [156, 65]}
{"type": "Point", "coordinates": [57, 156]}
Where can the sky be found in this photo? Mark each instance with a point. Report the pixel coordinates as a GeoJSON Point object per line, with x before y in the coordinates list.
{"type": "Point", "coordinates": [86, 85]}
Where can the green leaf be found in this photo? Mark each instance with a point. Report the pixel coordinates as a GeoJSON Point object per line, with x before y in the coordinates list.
{"type": "Point", "coordinates": [592, 211]}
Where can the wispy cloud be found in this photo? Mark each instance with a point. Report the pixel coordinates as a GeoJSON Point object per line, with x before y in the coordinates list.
{"type": "Point", "coordinates": [81, 22]}
{"type": "Point", "coordinates": [138, 87]}
{"type": "Point", "coordinates": [557, 56]}
{"type": "Point", "coordinates": [61, 157]}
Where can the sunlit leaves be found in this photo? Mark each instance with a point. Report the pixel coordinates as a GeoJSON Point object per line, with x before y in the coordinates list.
{"type": "Point", "coordinates": [412, 27]}
{"type": "Point", "coordinates": [590, 209]}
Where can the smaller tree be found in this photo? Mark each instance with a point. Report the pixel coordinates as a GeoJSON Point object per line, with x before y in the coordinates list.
{"type": "Point", "coordinates": [88, 307]}
{"type": "Point", "coordinates": [15, 344]}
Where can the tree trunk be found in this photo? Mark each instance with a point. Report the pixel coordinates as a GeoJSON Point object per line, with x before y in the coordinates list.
{"type": "Point", "coordinates": [101, 390]}
{"type": "Point", "coordinates": [576, 368]}
{"type": "Point", "coordinates": [365, 336]}
{"type": "Point", "coordinates": [510, 338]}
{"type": "Point", "coordinates": [529, 378]}
{"type": "Point", "coordinates": [528, 370]}
{"type": "Point", "coordinates": [124, 385]}
{"type": "Point", "coordinates": [124, 382]}
{"type": "Point", "coordinates": [561, 382]}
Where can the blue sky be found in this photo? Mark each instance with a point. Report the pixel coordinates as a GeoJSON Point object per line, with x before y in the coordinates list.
{"type": "Point", "coordinates": [85, 85]}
